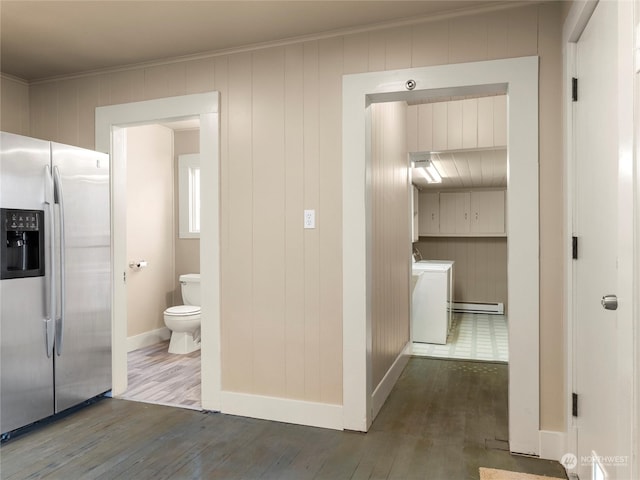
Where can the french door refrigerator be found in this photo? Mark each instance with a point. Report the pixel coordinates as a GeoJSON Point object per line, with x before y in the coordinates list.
{"type": "Point", "coordinates": [55, 278]}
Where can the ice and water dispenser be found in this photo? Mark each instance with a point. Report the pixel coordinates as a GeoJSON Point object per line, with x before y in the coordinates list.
{"type": "Point", "coordinates": [21, 243]}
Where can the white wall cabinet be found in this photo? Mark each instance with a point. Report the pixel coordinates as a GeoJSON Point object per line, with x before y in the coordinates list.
{"type": "Point", "coordinates": [472, 213]}
{"type": "Point", "coordinates": [458, 125]}
{"type": "Point", "coordinates": [454, 212]}
{"type": "Point", "coordinates": [429, 213]}
{"type": "Point", "coordinates": [487, 212]}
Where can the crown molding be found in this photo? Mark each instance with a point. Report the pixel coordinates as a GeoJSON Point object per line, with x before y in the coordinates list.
{"type": "Point", "coordinates": [13, 78]}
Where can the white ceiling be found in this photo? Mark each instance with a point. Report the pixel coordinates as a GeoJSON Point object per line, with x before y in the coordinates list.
{"type": "Point", "coordinates": [44, 39]}
{"type": "Point", "coordinates": [468, 169]}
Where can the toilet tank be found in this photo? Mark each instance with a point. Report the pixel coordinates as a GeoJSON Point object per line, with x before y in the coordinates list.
{"type": "Point", "coordinates": [190, 286]}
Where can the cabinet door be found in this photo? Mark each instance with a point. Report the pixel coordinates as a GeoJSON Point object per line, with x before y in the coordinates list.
{"type": "Point", "coordinates": [487, 212]}
{"type": "Point", "coordinates": [454, 212]}
{"type": "Point", "coordinates": [429, 213]}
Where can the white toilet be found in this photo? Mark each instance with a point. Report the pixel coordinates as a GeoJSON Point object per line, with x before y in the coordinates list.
{"type": "Point", "coordinates": [184, 320]}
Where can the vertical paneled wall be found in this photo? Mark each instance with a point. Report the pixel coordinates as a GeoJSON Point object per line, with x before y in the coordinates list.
{"type": "Point", "coordinates": [391, 242]}
{"type": "Point", "coordinates": [150, 226]}
{"type": "Point", "coordinates": [303, 323]}
{"type": "Point", "coordinates": [480, 271]}
{"type": "Point", "coordinates": [14, 106]}
{"type": "Point", "coordinates": [552, 231]}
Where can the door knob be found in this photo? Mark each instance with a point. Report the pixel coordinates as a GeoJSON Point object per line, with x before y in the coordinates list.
{"type": "Point", "coordinates": [610, 302]}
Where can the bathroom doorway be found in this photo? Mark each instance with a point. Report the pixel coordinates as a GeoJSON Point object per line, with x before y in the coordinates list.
{"type": "Point", "coordinates": [111, 122]}
{"type": "Point", "coordinates": [159, 253]}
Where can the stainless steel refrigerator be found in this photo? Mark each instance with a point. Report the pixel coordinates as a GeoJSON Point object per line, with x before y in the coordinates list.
{"type": "Point", "coordinates": [55, 278]}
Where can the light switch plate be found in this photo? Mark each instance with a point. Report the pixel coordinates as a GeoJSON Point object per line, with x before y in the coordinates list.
{"type": "Point", "coordinates": [309, 219]}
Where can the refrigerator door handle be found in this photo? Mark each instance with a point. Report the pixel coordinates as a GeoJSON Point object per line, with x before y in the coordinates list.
{"type": "Point", "coordinates": [60, 201]}
{"type": "Point", "coordinates": [51, 285]}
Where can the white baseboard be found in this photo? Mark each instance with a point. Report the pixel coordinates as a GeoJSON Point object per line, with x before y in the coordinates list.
{"type": "Point", "coordinates": [553, 445]}
{"type": "Point", "coordinates": [286, 410]}
{"type": "Point", "coordinates": [385, 386]}
{"type": "Point", "coordinates": [148, 338]}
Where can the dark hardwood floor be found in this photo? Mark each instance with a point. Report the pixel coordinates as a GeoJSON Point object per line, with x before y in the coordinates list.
{"type": "Point", "coordinates": [443, 420]}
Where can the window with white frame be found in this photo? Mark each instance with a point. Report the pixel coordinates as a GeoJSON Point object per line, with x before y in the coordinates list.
{"type": "Point", "coordinates": [189, 195]}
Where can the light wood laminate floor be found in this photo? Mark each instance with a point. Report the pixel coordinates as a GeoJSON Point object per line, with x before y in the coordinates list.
{"type": "Point", "coordinates": [443, 420]}
{"type": "Point", "coordinates": [157, 376]}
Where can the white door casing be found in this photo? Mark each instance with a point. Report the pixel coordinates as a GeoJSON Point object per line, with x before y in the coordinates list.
{"type": "Point", "coordinates": [519, 79]}
{"type": "Point", "coordinates": [110, 139]}
{"type": "Point", "coordinates": [600, 209]}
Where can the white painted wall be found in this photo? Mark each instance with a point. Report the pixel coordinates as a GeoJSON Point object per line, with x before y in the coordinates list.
{"type": "Point", "coordinates": [150, 226]}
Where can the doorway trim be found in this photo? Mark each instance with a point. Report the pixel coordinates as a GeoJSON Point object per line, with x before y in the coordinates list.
{"type": "Point", "coordinates": [110, 124]}
{"type": "Point", "coordinates": [519, 78]}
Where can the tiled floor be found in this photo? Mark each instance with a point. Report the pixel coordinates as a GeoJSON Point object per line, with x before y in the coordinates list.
{"type": "Point", "coordinates": [157, 376]}
{"type": "Point", "coordinates": [473, 336]}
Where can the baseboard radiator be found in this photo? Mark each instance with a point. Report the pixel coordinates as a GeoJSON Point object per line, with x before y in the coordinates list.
{"type": "Point", "coordinates": [472, 307]}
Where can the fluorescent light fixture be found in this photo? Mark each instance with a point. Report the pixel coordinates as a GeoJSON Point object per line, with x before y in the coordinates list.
{"type": "Point", "coordinates": [430, 173]}
{"type": "Point", "coordinates": [423, 171]}
{"type": "Point", "coordinates": [433, 172]}
{"type": "Point", "coordinates": [422, 161]}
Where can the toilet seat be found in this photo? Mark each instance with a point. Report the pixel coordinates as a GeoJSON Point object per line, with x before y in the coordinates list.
{"type": "Point", "coordinates": [182, 310]}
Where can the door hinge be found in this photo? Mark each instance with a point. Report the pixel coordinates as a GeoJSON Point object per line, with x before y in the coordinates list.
{"type": "Point", "coordinates": [124, 276]}
{"type": "Point", "coordinates": [574, 248]}
{"type": "Point", "coordinates": [574, 89]}
{"type": "Point", "coordinates": [574, 404]}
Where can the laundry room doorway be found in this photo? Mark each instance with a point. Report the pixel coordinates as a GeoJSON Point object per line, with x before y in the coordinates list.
{"type": "Point", "coordinates": [518, 78]}
{"type": "Point", "coordinates": [458, 182]}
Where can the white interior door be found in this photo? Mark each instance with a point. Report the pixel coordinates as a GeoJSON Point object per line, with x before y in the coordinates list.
{"type": "Point", "coordinates": [597, 215]}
